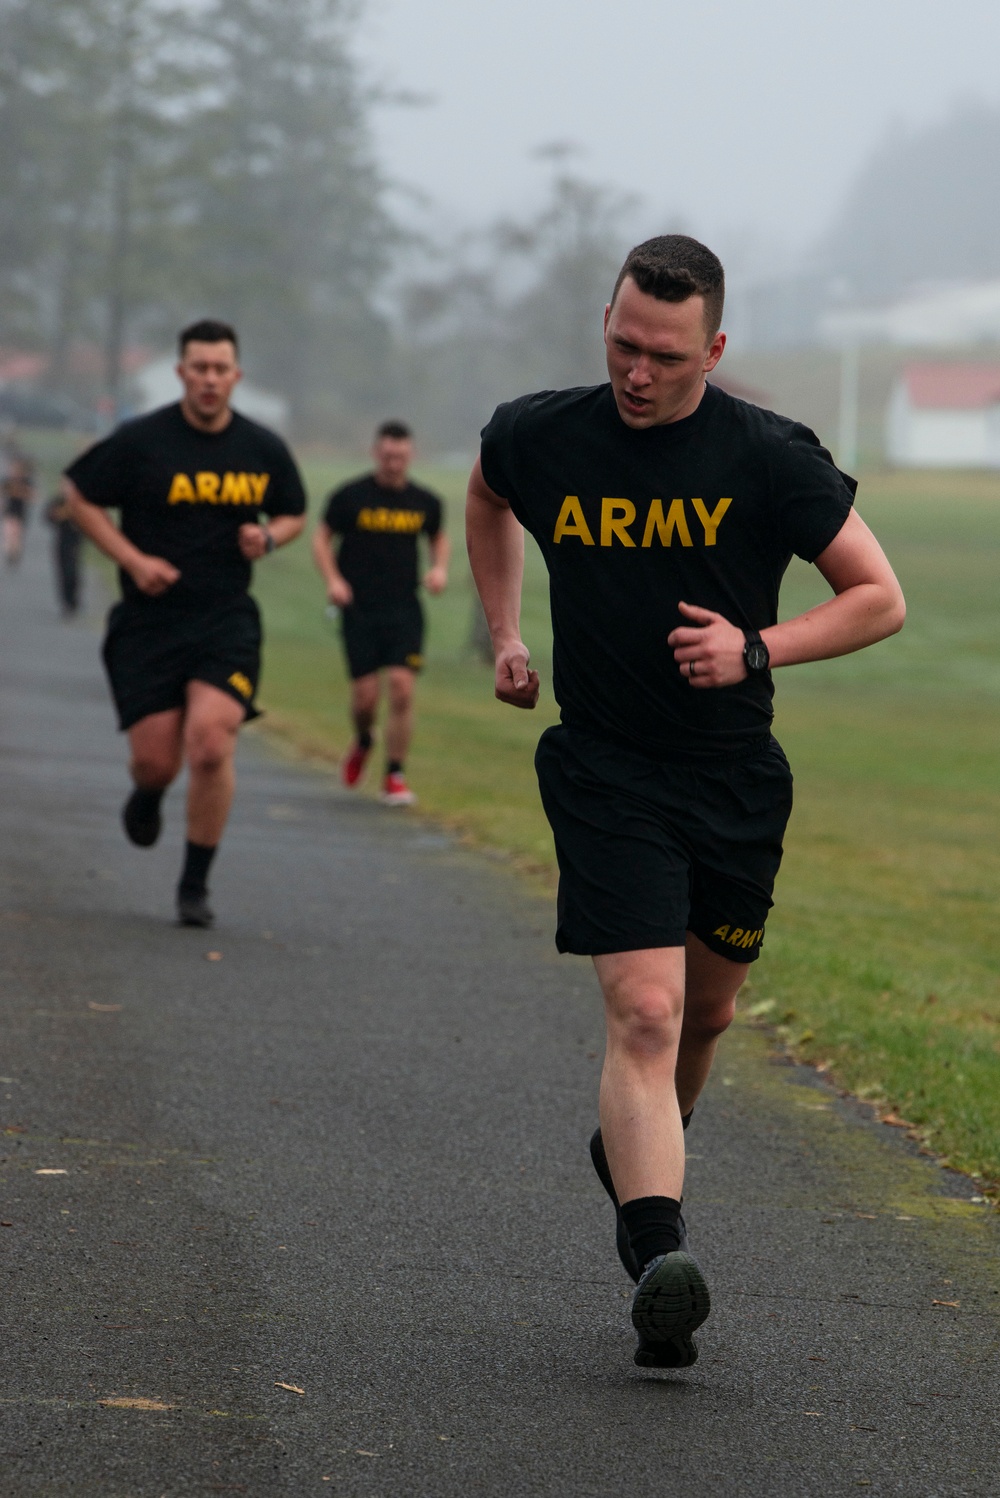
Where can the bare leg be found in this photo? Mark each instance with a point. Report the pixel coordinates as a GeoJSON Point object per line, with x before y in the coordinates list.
{"type": "Point", "coordinates": [13, 539]}
{"type": "Point", "coordinates": [364, 702]}
{"type": "Point", "coordinates": [640, 1119]}
{"type": "Point", "coordinates": [711, 987]}
{"type": "Point", "coordinates": [399, 727]}
{"type": "Point", "coordinates": [211, 723]}
{"type": "Point", "coordinates": [156, 743]}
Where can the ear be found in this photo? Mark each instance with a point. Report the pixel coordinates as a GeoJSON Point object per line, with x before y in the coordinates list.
{"type": "Point", "coordinates": [607, 314]}
{"type": "Point", "coordinates": [715, 351]}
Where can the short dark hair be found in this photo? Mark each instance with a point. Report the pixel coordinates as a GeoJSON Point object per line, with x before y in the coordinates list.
{"type": "Point", "coordinates": [208, 330]}
{"type": "Point", "coordinates": [398, 431]}
{"type": "Point", "coordinates": [673, 267]}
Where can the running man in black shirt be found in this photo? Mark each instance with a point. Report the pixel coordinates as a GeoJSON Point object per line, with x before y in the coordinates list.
{"type": "Point", "coordinates": [667, 513]}
{"type": "Point", "coordinates": [192, 483]}
{"type": "Point", "coordinates": [373, 578]}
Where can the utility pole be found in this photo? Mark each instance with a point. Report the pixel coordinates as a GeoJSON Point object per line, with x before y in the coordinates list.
{"type": "Point", "coordinates": [847, 436]}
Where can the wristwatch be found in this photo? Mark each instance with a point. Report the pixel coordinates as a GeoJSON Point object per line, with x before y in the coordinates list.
{"type": "Point", "coordinates": [756, 656]}
{"type": "Point", "coordinates": [269, 541]}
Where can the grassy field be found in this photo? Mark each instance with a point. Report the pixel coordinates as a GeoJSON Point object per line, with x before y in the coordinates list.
{"type": "Point", "coordinates": [882, 961]}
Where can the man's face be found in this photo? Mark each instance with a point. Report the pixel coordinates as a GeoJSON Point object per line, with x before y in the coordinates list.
{"type": "Point", "coordinates": [393, 456]}
{"type": "Point", "coordinates": [209, 373]}
{"type": "Point", "coordinates": [658, 355]}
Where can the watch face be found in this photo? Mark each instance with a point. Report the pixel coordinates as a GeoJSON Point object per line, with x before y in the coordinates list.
{"type": "Point", "coordinates": [756, 656]}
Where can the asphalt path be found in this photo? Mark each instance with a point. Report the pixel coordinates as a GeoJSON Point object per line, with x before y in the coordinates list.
{"type": "Point", "coordinates": [303, 1205]}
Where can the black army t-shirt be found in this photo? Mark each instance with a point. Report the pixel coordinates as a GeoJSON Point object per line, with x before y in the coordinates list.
{"type": "Point", "coordinates": [379, 527]}
{"type": "Point", "coordinates": [708, 510]}
{"type": "Point", "coordinates": [183, 495]}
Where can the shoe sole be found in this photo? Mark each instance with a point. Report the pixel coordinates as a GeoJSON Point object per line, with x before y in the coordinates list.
{"type": "Point", "coordinates": [405, 799]}
{"type": "Point", "coordinates": [672, 1302]}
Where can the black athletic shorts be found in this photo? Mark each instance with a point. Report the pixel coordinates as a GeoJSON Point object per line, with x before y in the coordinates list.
{"type": "Point", "coordinates": [376, 637]}
{"type": "Point", "coordinates": [150, 655]}
{"type": "Point", "coordinates": [649, 850]}
{"type": "Point", "coordinates": [15, 509]}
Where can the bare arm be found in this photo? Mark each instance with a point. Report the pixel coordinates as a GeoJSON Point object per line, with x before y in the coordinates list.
{"type": "Point", "coordinates": [338, 589]}
{"type": "Point", "coordinates": [436, 577]}
{"type": "Point", "coordinates": [496, 553]}
{"type": "Point", "coordinates": [867, 606]}
{"type": "Point", "coordinates": [282, 529]}
{"type": "Point", "coordinates": [152, 575]}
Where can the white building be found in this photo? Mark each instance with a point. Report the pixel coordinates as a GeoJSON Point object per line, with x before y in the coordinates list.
{"type": "Point", "coordinates": [928, 317]}
{"type": "Point", "coordinates": [945, 416]}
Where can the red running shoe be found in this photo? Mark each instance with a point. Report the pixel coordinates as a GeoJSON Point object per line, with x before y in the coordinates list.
{"type": "Point", "coordinates": [396, 792]}
{"type": "Point", "coordinates": [353, 765]}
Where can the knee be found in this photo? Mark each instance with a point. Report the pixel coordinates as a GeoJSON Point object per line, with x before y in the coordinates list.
{"type": "Point", "coordinates": [645, 1020]}
{"type": "Point", "coordinates": [709, 1021]}
{"type": "Point", "coordinates": [364, 698]}
{"type": "Point", "coordinates": [400, 692]}
{"type": "Point", "coordinates": [209, 750]}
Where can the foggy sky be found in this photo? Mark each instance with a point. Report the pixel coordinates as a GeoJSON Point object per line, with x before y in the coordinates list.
{"type": "Point", "coordinates": [731, 114]}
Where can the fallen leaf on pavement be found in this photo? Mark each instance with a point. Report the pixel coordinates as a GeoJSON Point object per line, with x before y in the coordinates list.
{"type": "Point", "coordinates": [359, 1452]}
{"type": "Point", "coordinates": [954, 1303]}
{"type": "Point", "coordinates": [213, 956]}
{"type": "Point", "coordinates": [895, 1122]}
{"type": "Point", "coordinates": [52, 1172]}
{"type": "Point", "coordinates": [292, 1388]}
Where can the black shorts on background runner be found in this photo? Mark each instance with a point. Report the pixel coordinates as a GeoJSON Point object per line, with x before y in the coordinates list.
{"type": "Point", "coordinates": [377, 637]}
{"type": "Point", "coordinates": [651, 849]}
{"type": "Point", "coordinates": [151, 653]}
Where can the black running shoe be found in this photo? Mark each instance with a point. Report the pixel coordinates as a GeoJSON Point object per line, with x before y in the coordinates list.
{"type": "Point", "coordinates": [670, 1302]}
{"type": "Point", "coordinates": [193, 908]}
{"type": "Point", "coordinates": [600, 1162]}
{"type": "Point", "coordinates": [141, 818]}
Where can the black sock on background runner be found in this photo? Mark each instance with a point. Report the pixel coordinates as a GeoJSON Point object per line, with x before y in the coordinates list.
{"type": "Point", "coordinates": [364, 740]}
{"type": "Point", "coordinates": [394, 767]}
{"type": "Point", "coordinates": [197, 862]}
{"type": "Point", "coordinates": [653, 1227]}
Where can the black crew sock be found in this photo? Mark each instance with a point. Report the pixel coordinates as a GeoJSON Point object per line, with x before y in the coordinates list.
{"type": "Point", "coordinates": [686, 1118]}
{"type": "Point", "coordinates": [364, 740]}
{"type": "Point", "coordinates": [652, 1226]}
{"type": "Point", "coordinates": [394, 767]}
{"type": "Point", "coordinates": [197, 862]}
{"type": "Point", "coordinates": [147, 802]}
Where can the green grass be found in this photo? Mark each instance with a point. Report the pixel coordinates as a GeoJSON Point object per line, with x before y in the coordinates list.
{"type": "Point", "coordinates": [882, 961]}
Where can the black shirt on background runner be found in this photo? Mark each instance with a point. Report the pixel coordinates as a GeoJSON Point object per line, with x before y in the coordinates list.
{"type": "Point", "coordinates": [184, 493]}
{"type": "Point", "coordinates": [709, 509]}
{"type": "Point", "coordinates": [378, 552]}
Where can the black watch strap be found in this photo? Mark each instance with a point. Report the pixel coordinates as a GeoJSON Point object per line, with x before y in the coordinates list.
{"type": "Point", "coordinates": [756, 656]}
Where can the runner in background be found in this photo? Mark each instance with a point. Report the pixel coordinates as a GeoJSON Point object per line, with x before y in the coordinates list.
{"type": "Point", "coordinates": [67, 541]}
{"type": "Point", "coordinates": [203, 493]}
{"type": "Point", "coordinates": [17, 490]}
{"type": "Point", "coordinates": [373, 578]}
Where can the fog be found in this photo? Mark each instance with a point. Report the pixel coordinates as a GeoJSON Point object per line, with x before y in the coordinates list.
{"type": "Point", "coordinates": [727, 115]}
{"type": "Point", "coordinates": [421, 207]}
